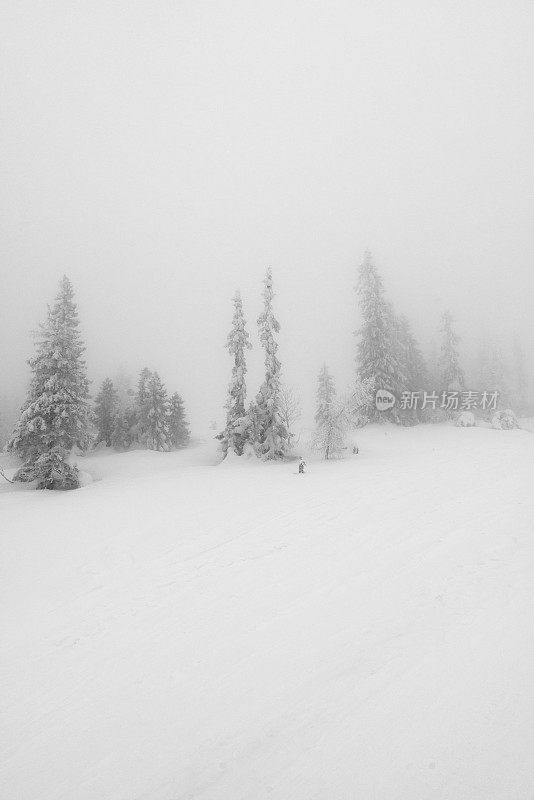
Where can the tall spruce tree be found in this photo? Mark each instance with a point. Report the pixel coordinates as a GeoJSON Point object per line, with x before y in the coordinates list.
{"type": "Point", "coordinates": [451, 375]}
{"type": "Point", "coordinates": [156, 435]}
{"type": "Point", "coordinates": [378, 355]}
{"type": "Point", "coordinates": [237, 426]}
{"type": "Point", "coordinates": [106, 405]}
{"type": "Point", "coordinates": [178, 428]}
{"type": "Point", "coordinates": [272, 435]}
{"type": "Point", "coordinates": [56, 415]}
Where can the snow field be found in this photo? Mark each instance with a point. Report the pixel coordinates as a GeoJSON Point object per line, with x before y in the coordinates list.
{"type": "Point", "coordinates": [177, 630]}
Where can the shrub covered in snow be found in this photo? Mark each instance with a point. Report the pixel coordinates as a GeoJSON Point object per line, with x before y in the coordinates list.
{"type": "Point", "coordinates": [466, 420]}
{"type": "Point", "coordinates": [504, 420]}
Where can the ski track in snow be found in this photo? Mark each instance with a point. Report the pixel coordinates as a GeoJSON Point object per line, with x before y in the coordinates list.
{"type": "Point", "coordinates": [177, 630]}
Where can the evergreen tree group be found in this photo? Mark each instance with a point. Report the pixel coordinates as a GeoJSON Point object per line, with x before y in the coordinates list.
{"type": "Point", "coordinates": [57, 417]}
{"type": "Point", "coordinates": [152, 420]}
{"type": "Point", "coordinates": [262, 424]}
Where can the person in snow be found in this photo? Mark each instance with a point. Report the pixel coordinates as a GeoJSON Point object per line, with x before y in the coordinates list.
{"type": "Point", "coordinates": [302, 464]}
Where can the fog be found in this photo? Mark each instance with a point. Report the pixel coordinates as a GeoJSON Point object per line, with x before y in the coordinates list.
{"type": "Point", "coordinates": [164, 154]}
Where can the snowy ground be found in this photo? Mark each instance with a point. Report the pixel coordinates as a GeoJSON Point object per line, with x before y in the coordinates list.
{"type": "Point", "coordinates": [176, 630]}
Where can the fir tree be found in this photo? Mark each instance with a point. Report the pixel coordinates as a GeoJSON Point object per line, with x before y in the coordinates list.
{"type": "Point", "coordinates": [156, 435]}
{"type": "Point", "coordinates": [178, 428]}
{"type": "Point", "coordinates": [106, 403]}
{"type": "Point", "coordinates": [450, 373]}
{"type": "Point", "coordinates": [125, 429]}
{"type": "Point", "coordinates": [272, 435]}
{"type": "Point", "coordinates": [378, 358]}
{"type": "Point", "coordinates": [56, 415]}
{"type": "Point", "coordinates": [237, 423]}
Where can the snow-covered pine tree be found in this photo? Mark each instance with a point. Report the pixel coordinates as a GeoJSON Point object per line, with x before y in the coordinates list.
{"type": "Point", "coordinates": [105, 411]}
{"type": "Point", "coordinates": [156, 435]}
{"type": "Point", "coordinates": [56, 415]}
{"type": "Point", "coordinates": [451, 375]}
{"type": "Point", "coordinates": [377, 347]}
{"type": "Point", "coordinates": [178, 428]}
{"type": "Point", "coordinates": [234, 434]}
{"type": "Point", "coordinates": [273, 437]}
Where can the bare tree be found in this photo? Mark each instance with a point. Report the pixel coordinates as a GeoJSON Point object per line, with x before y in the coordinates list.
{"type": "Point", "coordinates": [289, 408]}
{"type": "Point", "coordinates": [339, 416]}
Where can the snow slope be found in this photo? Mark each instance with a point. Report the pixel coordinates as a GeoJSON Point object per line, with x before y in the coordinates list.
{"type": "Point", "coordinates": [177, 630]}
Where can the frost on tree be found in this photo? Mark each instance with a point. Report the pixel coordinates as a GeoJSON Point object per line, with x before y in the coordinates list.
{"type": "Point", "coordinates": [272, 439]}
{"type": "Point", "coordinates": [156, 415]}
{"type": "Point", "coordinates": [378, 358]}
{"type": "Point", "coordinates": [238, 423]}
{"type": "Point", "coordinates": [451, 376]}
{"type": "Point", "coordinates": [290, 411]}
{"type": "Point", "coordinates": [326, 392]}
{"type": "Point", "coordinates": [56, 415]}
{"type": "Point", "coordinates": [178, 428]}
{"type": "Point", "coordinates": [335, 418]}
{"type": "Point", "coordinates": [105, 412]}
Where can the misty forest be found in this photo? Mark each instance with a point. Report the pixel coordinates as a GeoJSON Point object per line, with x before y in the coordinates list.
{"type": "Point", "coordinates": [267, 400]}
{"type": "Point", "coordinates": [60, 417]}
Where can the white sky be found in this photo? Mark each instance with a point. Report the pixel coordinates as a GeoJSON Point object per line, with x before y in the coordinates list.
{"type": "Point", "coordinates": [163, 154]}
